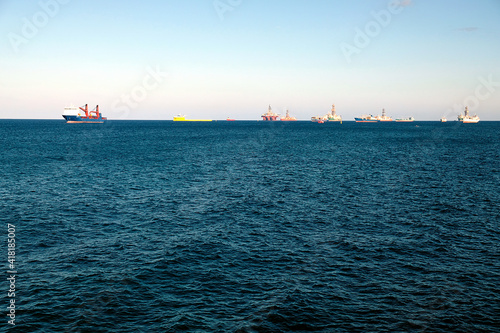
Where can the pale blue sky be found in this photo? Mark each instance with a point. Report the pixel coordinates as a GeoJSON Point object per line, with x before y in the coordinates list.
{"type": "Point", "coordinates": [424, 59]}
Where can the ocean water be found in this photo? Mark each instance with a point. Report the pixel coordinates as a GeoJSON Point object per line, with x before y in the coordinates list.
{"type": "Point", "coordinates": [156, 226]}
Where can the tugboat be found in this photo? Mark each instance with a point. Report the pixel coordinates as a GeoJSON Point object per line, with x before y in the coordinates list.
{"type": "Point", "coordinates": [466, 118]}
{"type": "Point", "coordinates": [73, 116]}
{"type": "Point", "coordinates": [269, 115]}
{"type": "Point", "coordinates": [288, 117]}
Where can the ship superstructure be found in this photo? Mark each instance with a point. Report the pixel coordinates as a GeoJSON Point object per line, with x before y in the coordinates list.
{"type": "Point", "coordinates": [384, 116]}
{"type": "Point", "coordinates": [333, 116]}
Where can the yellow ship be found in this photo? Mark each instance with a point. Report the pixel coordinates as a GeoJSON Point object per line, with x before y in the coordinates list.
{"type": "Point", "coordinates": [182, 117]}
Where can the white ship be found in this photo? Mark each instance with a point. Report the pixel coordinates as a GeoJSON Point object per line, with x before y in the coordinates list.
{"type": "Point", "coordinates": [466, 118]}
{"type": "Point", "coordinates": [384, 117]}
{"type": "Point", "coordinates": [333, 116]}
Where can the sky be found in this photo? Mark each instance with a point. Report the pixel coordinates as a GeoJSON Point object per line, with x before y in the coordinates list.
{"type": "Point", "coordinates": [214, 59]}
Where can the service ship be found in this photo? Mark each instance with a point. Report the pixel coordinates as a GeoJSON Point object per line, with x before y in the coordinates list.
{"type": "Point", "coordinates": [73, 116]}
{"type": "Point", "coordinates": [384, 116]}
{"type": "Point", "coordinates": [288, 117]}
{"type": "Point", "coordinates": [332, 116]}
{"type": "Point", "coordinates": [269, 115]}
{"type": "Point", "coordinates": [466, 118]}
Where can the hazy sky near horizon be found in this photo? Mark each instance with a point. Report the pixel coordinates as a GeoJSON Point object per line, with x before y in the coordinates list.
{"type": "Point", "coordinates": [213, 59]}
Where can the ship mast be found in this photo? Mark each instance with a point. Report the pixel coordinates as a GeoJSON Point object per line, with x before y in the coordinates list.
{"type": "Point", "coordinates": [86, 110]}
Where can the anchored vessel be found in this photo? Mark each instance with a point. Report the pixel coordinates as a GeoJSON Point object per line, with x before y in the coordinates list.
{"type": "Point", "coordinates": [269, 115]}
{"type": "Point", "coordinates": [331, 116]}
{"type": "Point", "coordinates": [181, 117]}
{"type": "Point", "coordinates": [72, 115]}
{"type": "Point", "coordinates": [405, 120]}
{"type": "Point", "coordinates": [288, 117]}
{"type": "Point", "coordinates": [443, 119]}
{"type": "Point", "coordinates": [466, 118]}
{"type": "Point", "coordinates": [384, 116]}
{"type": "Point", "coordinates": [366, 119]}
{"type": "Point", "coordinates": [373, 119]}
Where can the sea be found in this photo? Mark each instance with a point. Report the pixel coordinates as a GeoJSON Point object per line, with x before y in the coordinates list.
{"type": "Point", "coordinates": [250, 226]}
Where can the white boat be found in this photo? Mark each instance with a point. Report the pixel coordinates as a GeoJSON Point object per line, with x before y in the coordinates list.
{"type": "Point", "coordinates": [443, 119]}
{"type": "Point", "coordinates": [333, 116]}
{"type": "Point", "coordinates": [466, 118]}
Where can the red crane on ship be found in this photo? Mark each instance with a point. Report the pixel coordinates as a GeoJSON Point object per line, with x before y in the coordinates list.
{"type": "Point", "coordinates": [94, 114]}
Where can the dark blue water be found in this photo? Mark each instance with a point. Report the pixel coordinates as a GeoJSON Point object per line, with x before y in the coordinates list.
{"type": "Point", "coordinates": [153, 226]}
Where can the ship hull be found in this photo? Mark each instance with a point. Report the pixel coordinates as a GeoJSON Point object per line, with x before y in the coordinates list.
{"type": "Point", "coordinates": [365, 120]}
{"type": "Point", "coordinates": [192, 119]}
{"type": "Point", "coordinates": [83, 120]}
{"type": "Point", "coordinates": [269, 118]}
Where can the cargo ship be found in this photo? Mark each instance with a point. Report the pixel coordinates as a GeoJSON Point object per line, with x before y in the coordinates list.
{"type": "Point", "coordinates": [288, 117]}
{"type": "Point", "coordinates": [405, 120]}
{"type": "Point", "coordinates": [181, 117]}
{"type": "Point", "coordinates": [373, 119]}
{"type": "Point", "coordinates": [269, 115]}
{"type": "Point", "coordinates": [466, 118]}
{"type": "Point", "coordinates": [366, 119]}
{"type": "Point", "coordinates": [73, 116]}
